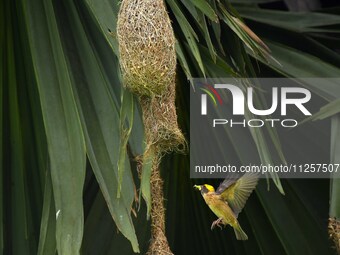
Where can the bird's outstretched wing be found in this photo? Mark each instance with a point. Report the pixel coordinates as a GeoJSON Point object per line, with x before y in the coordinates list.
{"type": "Point", "coordinates": [229, 180]}
{"type": "Point", "coordinates": [237, 191]}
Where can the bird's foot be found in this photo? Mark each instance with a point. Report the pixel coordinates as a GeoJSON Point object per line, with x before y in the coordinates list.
{"type": "Point", "coordinates": [216, 223]}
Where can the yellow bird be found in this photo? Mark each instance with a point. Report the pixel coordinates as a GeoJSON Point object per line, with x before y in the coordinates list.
{"type": "Point", "coordinates": [229, 199]}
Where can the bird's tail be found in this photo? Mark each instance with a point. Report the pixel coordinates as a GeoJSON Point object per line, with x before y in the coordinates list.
{"type": "Point", "coordinates": [240, 234]}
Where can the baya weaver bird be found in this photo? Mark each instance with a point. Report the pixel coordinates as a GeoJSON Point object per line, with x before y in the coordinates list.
{"type": "Point", "coordinates": [229, 199]}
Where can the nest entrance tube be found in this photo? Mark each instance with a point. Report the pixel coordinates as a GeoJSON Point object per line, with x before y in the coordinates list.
{"type": "Point", "coordinates": [148, 63]}
{"type": "Point", "coordinates": [159, 242]}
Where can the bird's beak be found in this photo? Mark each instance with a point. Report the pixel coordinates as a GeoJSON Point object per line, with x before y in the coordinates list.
{"type": "Point", "coordinates": [199, 187]}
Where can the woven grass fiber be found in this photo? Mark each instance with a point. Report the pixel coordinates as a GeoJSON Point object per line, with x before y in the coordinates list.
{"type": "Point", "coordinates": [334, 232]}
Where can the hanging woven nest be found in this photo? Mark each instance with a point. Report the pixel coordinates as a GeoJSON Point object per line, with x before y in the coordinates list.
{"type": "Point", "coordinates": [146, 46]}
{"type": "Point", "coordinates": [148, 63]}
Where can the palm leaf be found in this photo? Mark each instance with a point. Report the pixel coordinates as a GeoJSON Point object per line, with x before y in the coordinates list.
{"type": "Point", "coordinates": [335, 191]}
